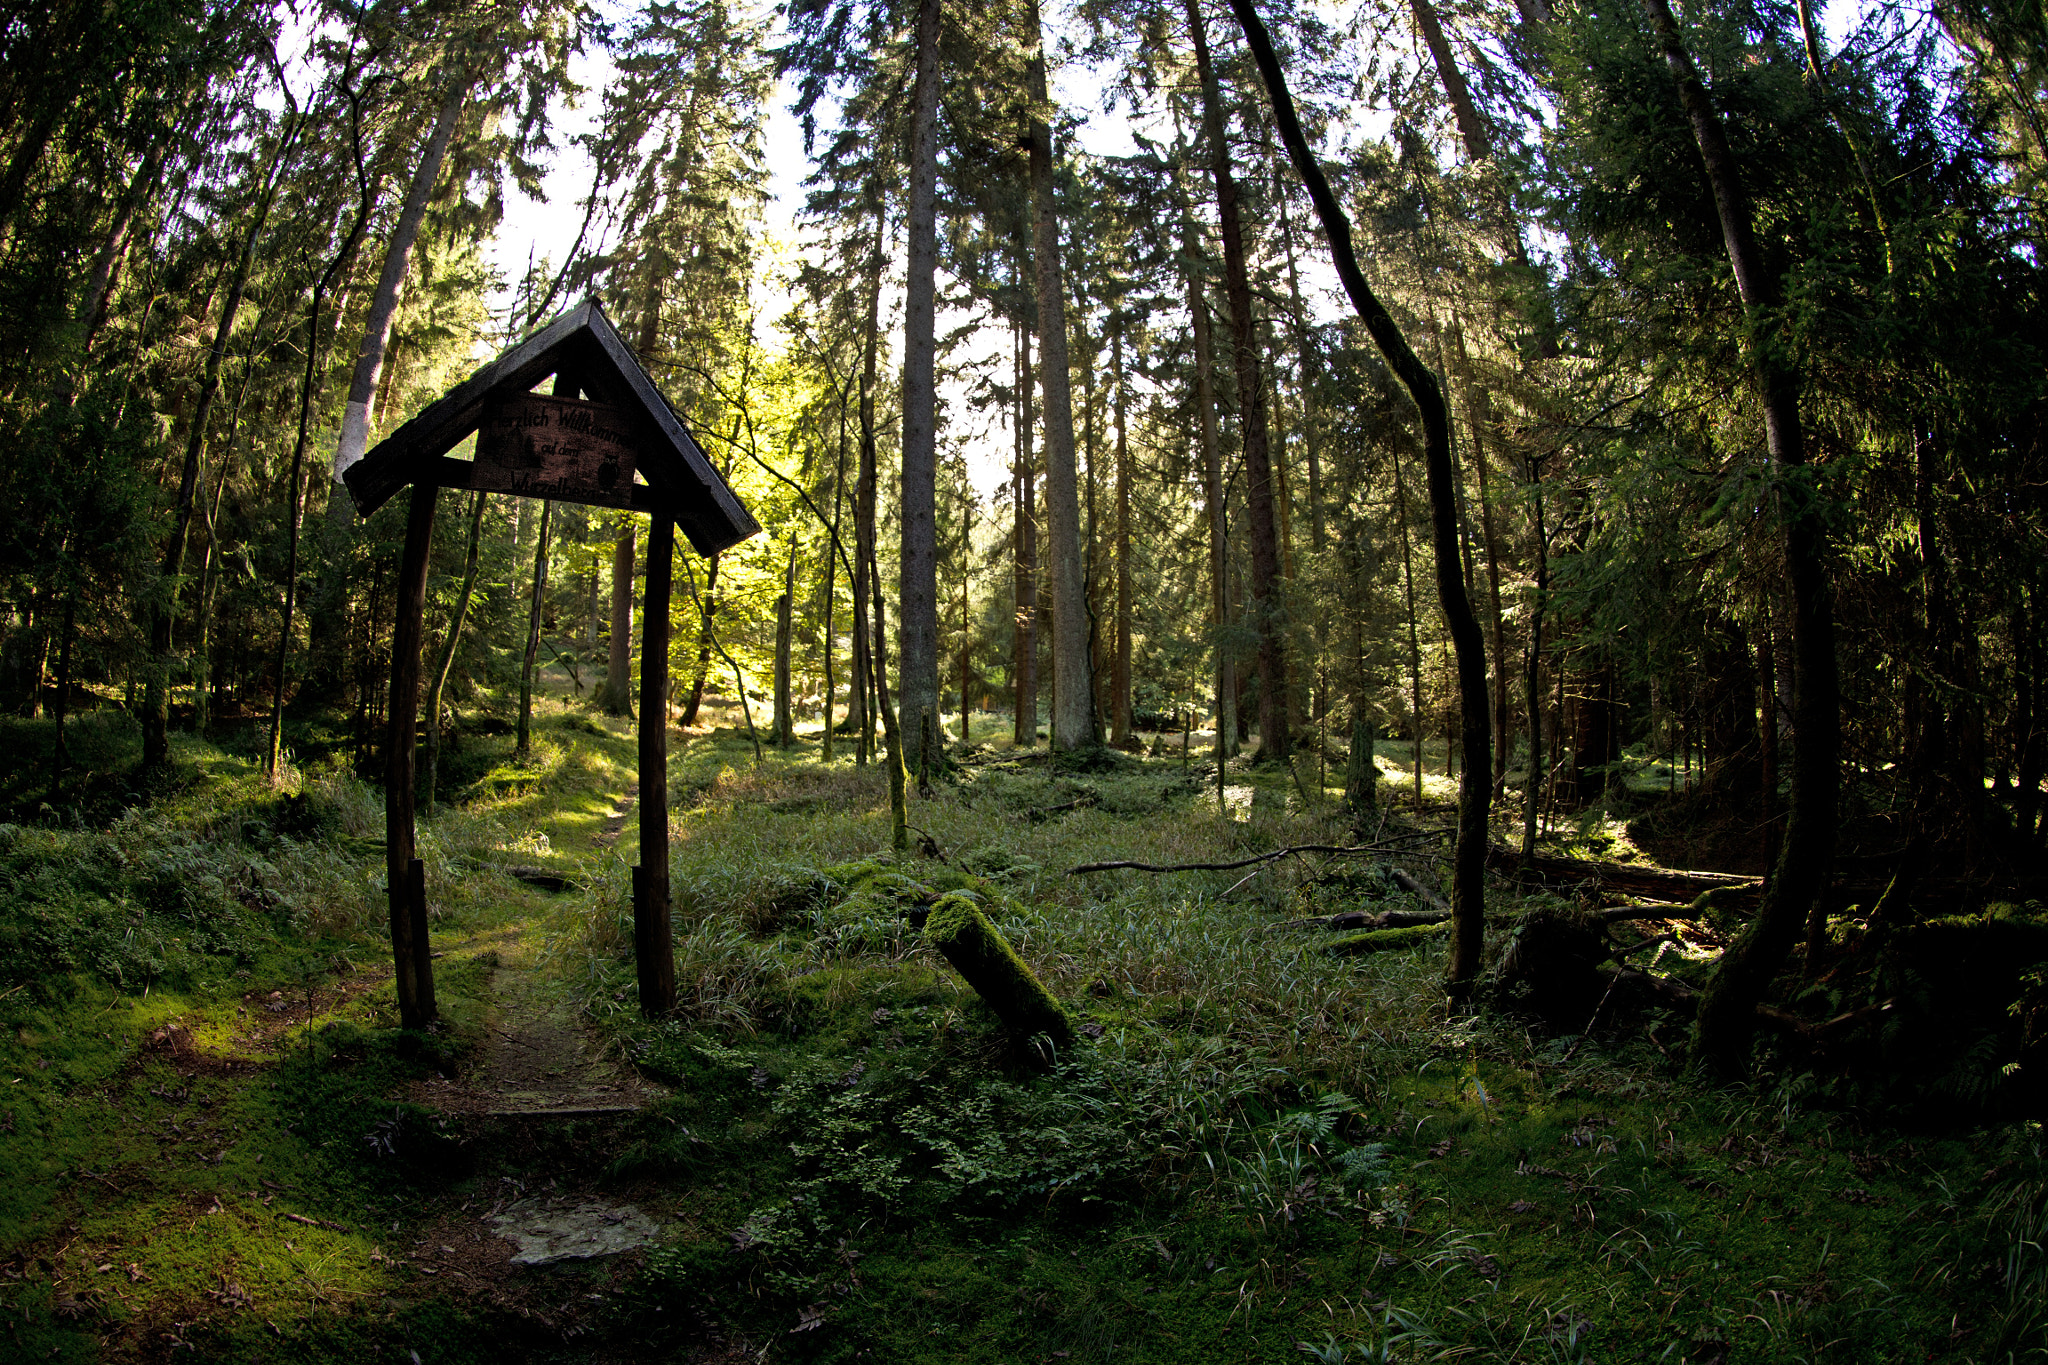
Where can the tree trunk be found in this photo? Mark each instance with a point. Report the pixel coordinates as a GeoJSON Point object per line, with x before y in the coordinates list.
{"type": "Point", "coordinates": [709, 611]}
{"type": "Point", "coordinates": [1025, 551]}
{"type": "Point", "coordinates": [1468, 887]}
{"type": "Point", "coordinates": [1267, 607]}
{"type": "Point", "coordinates": [966, 624]}
{"type": "Point", "coordinates": [866, 696]}
{"type": "Point", "coordinates": [446, 663]}
{"type": "Point", "coordinates": [617, 697]}
{"type": "Point", "coordinates": [92, 307]}
{"type": "Point", "coordinates": [1213, 494]}
{"type": "Point", "coordinates": [530, 664]}
{"type": "Point", "coordinates": [1479, 419]}
{"type": "Point", "coordinates": [156, 708]}
{"type": "Point", "coordinates": [1120, 679]}
{"type": "Point", "coordinates": [1727, 1013]}
{"type": "Point", "coordinates": [359, 414]}
{"type": "Point", "coordinates": [1073, 718]}
{"type": "Point", "coordinates": [1532, 673]}
{"type": "Point", "coordinates": [917, 673]}
{"type": "Point", "coordinates": [300, 484]}
{"type": "Point", "coordinates": [1414, 624]}
{"type": "Point", "coordinates": [61, 706]}
{"type": "Point", "coordinates": [831, 578]}
{"type": "Point", "coordinates": [785, 718]}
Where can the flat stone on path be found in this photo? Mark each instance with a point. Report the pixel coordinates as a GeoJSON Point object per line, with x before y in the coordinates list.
{"type": "Point", "coordinates": [557, 1228]}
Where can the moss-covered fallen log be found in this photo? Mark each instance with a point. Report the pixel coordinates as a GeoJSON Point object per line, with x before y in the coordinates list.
{"type": "Point", "coordinates": [987, 962]}
{"type": "Point", "coordinates": [1386, 940]}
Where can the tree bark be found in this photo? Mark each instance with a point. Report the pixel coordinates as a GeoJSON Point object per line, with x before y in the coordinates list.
{"type": "Point", "coordinates": [1468, 886]}
{"type": "Point", "coordinates": [530, 664]}
{"type": "Point", "coordinates": [359, 412]}
{"type": "Point", "coordinates": [1025, 555]}
{"type": "Point", "coordinates": [705, 623]}
{"type": "Point", "coordinates": [917, 673]}
{"type": "Point", "coordinates": [785, 717]}
{"type": "Point", "coordinates": [1727, 1016]}
{"type": "Point", "coordinates": [1213, 494]}
{"type": "Point", "coordinates": [156, 709]}
{"type": "Point", "coordinates": [1120, 678]}
{"type": "Point", "coordinates": [865, 693]}
{"type": "Point", "coordinates": [1532, 672]}
{"type": "Point", "coordinates": [1073, 692]}
{"type": "Point", "coordinates": [446, 664]}
{"type": "Point", "coordinates": [301, 485]}
{"type": "Point", "coordinates": [1267, 608]}
{"type": "Point", "coordinates": [617, 698]}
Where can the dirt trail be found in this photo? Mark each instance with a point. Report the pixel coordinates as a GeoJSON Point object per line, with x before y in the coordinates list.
{"type": "Point", "coordinates": [538, 1056]}
{"type": "Point", "coordinates": [615, 823]}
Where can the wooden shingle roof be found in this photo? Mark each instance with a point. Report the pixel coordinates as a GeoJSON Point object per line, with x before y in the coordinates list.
{"type": "Point", "coordinates": [680, 481]}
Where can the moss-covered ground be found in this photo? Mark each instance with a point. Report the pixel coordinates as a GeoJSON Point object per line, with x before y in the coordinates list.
{"type": "Point", "coordinates": [1255, 1151]}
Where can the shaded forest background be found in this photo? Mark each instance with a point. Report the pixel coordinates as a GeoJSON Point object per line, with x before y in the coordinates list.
{"type": "Point", "coordinates": [238, 243]}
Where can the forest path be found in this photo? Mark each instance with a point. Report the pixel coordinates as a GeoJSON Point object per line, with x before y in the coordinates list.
{"type": "Point", "coordinates": [537, 1055]}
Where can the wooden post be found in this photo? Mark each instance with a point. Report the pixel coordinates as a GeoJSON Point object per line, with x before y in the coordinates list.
{"type": "Point", "coordinates": [405, 875]}
{"type": "Point", "coordinates": [653, 952]}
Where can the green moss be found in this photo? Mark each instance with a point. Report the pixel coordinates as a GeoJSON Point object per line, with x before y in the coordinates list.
{"type": "Point", "coordinates": [1385, 940]}
{"type": "Point", "coordinates": [987, 962]}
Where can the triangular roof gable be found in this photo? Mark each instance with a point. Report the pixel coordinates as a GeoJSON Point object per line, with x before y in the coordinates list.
{"type": "Point", "coordinates": [680, 480]}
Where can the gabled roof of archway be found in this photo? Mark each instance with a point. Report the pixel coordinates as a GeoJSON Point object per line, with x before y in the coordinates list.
{"type": "Point", "coordinates": [680, 481]}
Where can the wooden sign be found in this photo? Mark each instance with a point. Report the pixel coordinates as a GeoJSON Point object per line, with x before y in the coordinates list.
{"type": "Point", "coordinates": [560, 448]}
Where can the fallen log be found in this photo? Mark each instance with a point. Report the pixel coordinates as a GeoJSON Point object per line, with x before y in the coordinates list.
{"type": "Point", "coordinates": [1361, 919]}
{"type": "Point", "coordinates": [987, 962]}
{"type": "Point", "coordinates": [1656, 882]}
{"type": "Point", "coordinates": [1386, 940]}
{"type": "Point", "coordinates": [1336, 850]}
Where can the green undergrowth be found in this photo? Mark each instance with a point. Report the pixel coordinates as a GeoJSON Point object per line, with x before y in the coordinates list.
{"type": "Point", "coordinates": [1253, 1149]}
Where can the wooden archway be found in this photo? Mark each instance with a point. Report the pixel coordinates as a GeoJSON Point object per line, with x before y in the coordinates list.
{"type": "Point", "coordinates": [604, 437]}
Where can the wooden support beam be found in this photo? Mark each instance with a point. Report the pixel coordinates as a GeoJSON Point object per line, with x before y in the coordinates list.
{"type": "Point", "coordinates": [653, 950]}
{"type": "Point", "coordinates": [405, 876]}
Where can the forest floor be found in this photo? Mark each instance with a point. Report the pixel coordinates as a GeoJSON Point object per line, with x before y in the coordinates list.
{"type": "Point", "coordinates": [219, 1146]}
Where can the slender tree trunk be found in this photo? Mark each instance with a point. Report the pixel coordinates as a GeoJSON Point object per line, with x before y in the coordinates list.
{"type": "Point", "coordinates": [1468, 885]}
{"type": "Point", "coordinates": [704, 628]}
{"type": "Point", "coordinates": [446, 663]}
{"type": "Point", "coordinates": [1727, 1014]}
{"type": "Point", "coordinates": [899, 812]}
{"type": "Point", "coordinates": [61, 707]}
{"type": "Point", "coordinates": [530, 665]}
{"type": "Point", "coordinates": [1073, 719]}
{"type": "Point", "coordinates": [156, 709]}
{"type": "Point", "coordinates": [1213, 493]}
{"type": "Point", "coordinates": [359, 414]}
{"type": "Point", "coordinates": [917, 676]}
{"type": "Point", "coordinates": [1267, 608]}
{"type": "Point", "coordinates": [300, 484]}
{"type": "Point", "coordinates": [1532, 672]}
{"type": "Point", "coordinates": [785, 717]}
{"type": "Point", "coordinates": [1311, 369]}
{"type": "Point", "coordinates": [1479, 418]}
{"type": "Point", "coordinates": [617, 697]}
{"type": "Point", "coordinates": [831, 579]}
{"type": "Point", "coordinates": [1026, 555]}
{"type": "Point", "coordinates": [966, 624]}
{"type": "Point", "coordinates": [866, 696]}
{"type": "Point", "coordinates": [92, 307]}
{"type": "Point", "coordinates": [1120, 679]}
{"type": "Point", "coordinates": [1767, 695]}
{"type": "Point", "coordinates": [1414, 628]}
